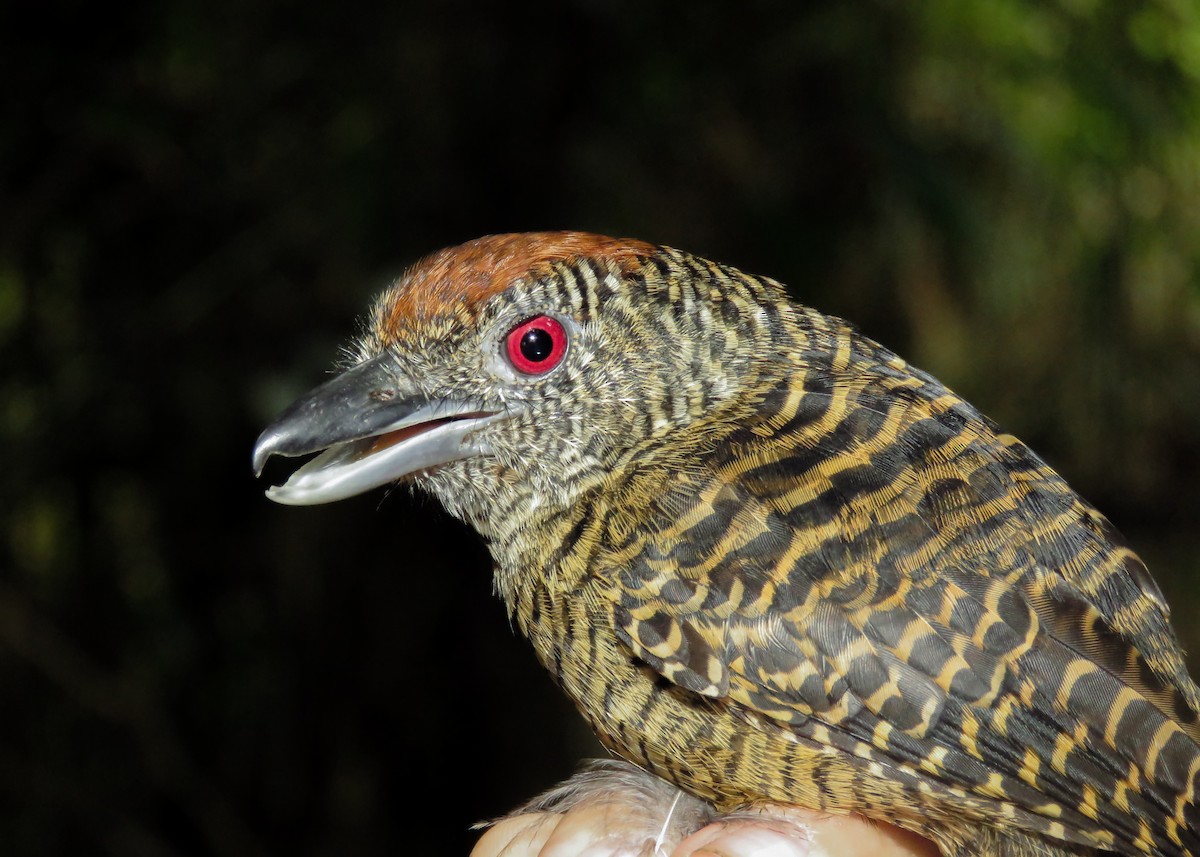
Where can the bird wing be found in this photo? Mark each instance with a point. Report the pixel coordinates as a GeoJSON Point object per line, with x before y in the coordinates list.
{"type": "Point", "coordinates": [932, 596]}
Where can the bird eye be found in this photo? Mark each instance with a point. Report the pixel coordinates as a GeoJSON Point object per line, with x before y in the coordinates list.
{"type": "Point", "coordinates": [536, 346]}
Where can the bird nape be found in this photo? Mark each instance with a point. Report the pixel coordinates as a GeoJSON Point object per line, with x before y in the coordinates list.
{"type": "Point", "coordinates": [770, 561]}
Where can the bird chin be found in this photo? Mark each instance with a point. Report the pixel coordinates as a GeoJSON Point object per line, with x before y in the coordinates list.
{"type": "Point", "coordinates": [347, 469]}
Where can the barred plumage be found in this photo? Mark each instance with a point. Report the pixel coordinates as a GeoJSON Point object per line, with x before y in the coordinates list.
{"type": "Point", "coordinates": [771, 561]}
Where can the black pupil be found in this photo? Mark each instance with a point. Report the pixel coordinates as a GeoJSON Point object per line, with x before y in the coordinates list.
{"type": "Point", "coordinates": [536, 345]}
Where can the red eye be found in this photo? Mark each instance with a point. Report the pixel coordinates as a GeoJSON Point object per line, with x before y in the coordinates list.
{"type": "Point", "coordinates": [536, 346]}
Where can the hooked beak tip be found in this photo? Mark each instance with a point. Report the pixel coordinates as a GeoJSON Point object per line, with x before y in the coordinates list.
{"type": "Point", "coordinates": [264, 448]}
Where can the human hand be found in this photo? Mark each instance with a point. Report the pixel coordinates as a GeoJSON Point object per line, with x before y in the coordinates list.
{"type": "Point", "coordinates": [616, 810]}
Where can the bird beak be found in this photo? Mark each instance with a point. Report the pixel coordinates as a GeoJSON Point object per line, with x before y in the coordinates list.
{"type": "Point", "coordinates": [373, 432]}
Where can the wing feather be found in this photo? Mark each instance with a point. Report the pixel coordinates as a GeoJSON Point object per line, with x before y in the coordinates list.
{"type": "Point", "coordinates": [931, 590]}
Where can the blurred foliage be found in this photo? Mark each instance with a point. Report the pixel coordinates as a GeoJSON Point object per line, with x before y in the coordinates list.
{"type": "Point", "coordinates": [197, 199]}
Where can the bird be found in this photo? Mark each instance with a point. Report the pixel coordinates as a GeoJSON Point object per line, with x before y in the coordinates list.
{"type": "Point", "coordinates": [769, 560]}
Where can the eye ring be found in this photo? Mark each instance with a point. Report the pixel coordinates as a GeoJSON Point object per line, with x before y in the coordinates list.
{"type": "Point", "coordinates": [536, 345]}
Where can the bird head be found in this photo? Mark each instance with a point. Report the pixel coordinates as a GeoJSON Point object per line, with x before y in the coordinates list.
{"type": "Point", "coordinates": [522, 369]}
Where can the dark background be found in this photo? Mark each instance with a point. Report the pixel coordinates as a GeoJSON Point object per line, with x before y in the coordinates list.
{"type": "Point", "coordinates": [197, 200]}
